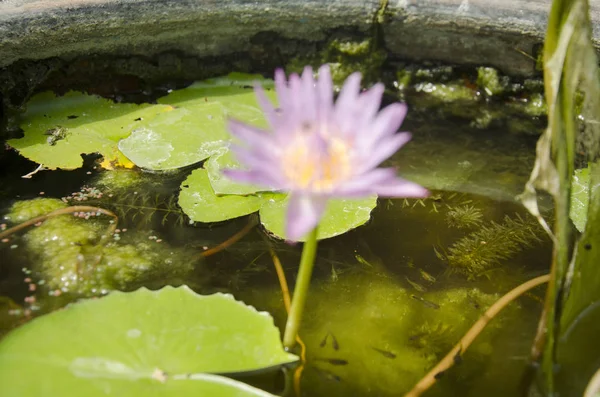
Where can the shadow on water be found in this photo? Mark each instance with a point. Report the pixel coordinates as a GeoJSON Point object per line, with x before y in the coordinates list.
{"type": "Point", "coordinates": [388, 299]}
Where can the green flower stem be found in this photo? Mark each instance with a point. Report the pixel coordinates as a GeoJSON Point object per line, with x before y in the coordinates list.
{"type": "Point", "coordinates": [307, 262]}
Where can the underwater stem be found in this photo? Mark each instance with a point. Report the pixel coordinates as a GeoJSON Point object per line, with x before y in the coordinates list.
{"type": "Point", "coordinates": [447, 362]}
{"type": "Point", "coordinates": [286, 302]}
{"type": "Point", "coordinates": [307, 263]}
{"type": "Point", "coordinates": [253, 221]}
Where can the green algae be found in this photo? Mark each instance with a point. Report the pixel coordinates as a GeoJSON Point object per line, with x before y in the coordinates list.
{"type": "Point", "coordinates": [71, 256]}
{"type": "Point", "coordinates": [22, 211]}
{"type": "Point", "coordinates": [482, 96]}
{"type": "Point", "coordinates": [119, 179]}
{"type": "Point", "coordinates": [345, 56]}
{"type": "Point", "coordinates": [490, 82]}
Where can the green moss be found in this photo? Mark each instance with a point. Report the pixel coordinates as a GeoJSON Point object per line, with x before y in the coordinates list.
{"type": "Point", "coordinates": [447, 93]}
{"type": "Point", "coordinates": [490, 82]}
{"type": "Point", "coordinates": [481, 95]}
{"type": "Point", "coordinates": [22, 211]}
{"type": "Point", "coordinates": [350, 48]}
{"type": "Point", "coordinates": [345, 56]}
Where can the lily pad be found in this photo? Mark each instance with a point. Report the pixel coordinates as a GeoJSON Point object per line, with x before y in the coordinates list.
{"type": "Point", "coordinates": [221, 160]}
{"type": "Point", "coordinates": [199, 201]}
{"type": "Point", "coordinates": [58, 130]}
{"type": "Point", "coordinates": [170, 342]}
{"type": "Point", "coordinates": [580, 191]}
{"type": "Point", "coordinates": [234, 93]}
{"type": "Point", "coordinates": [340, 215]}
{"type": "Point", "coordinates": [177, 138]}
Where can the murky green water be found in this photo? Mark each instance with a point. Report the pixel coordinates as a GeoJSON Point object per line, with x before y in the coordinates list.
{"type": "Point", "coordinates": [388, 299]}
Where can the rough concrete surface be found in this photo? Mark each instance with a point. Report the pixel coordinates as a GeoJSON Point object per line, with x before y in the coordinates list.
{"type": "Point", "coordinates": [498, 33]}
{"type": "Point", "coordinates": [501, 33]}
{"type": "Point", "coordinates": [37, 29]}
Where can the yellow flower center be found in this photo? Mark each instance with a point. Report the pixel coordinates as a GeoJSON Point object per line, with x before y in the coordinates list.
{"type": "Point", "coordinates": [320, 170]}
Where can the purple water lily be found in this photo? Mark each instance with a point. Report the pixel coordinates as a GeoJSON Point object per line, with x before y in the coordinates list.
{"type": "Point", "coordinates": [317, 149]}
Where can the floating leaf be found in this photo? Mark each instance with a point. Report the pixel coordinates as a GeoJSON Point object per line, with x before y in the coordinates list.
{"type": "Point", "coordinates": [580, 190]}
{"type": "Point", "coordinates": [200, 130]}
{"type": "Point", "coordinates": [176, 139]}
{"type": "Point", "coordinates": [221, 160]}
{"type": "Point", "coordinates": [233, 93]}
{"type": "Point", "coordinates": [199, 202]}
{"type": "Point", "coordinates": [58, 130]}
{"type": "Point", "coordinates": [161, 343]}
{"type": "Point", "coordinates": [340, 216]}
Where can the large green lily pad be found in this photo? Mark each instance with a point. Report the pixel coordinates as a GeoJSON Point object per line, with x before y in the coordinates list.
{"type": "Point", "coordinates": [340, 215]}
{"type": "Point", "coordinates": [144, 343]}
{"type": "Point", "coordinates": [177, 138]}
{"type": "Point", "coordinates": [199, 201]}
{"type": "Point", "coordinates": [234, 93]}
{"type": "Point", "coordinates": [58, 130]}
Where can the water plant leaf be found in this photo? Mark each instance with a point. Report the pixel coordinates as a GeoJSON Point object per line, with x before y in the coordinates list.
{"type": "Point", "coordinates": [571, 80]}
{"type": "Point", "coordinates": [580, 198]}
{"type": "Point", "coordinates": [233, 93]}
{"type": "Point", "coordinates": [199, 201]}
{"type": "Point", "coordinates": [170, 342]}
{"type": "Point", "coordinates": [221, 160]}
{"type": "Point", "coordinates": [58, 130]}
{"type": "Point", "coordinates": [177, 138]}
{"type": "Point", "coordinates": [340, 215]}
{"type": "Point", "coordinates": [197, 128]}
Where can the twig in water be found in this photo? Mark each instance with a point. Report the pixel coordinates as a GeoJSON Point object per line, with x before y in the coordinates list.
{"type": "Point", "coordinates": [32, 173]}
{"type": "Point", "coordinates": [428, 380]}
{"type": "Point", "coordinates": [233, 239]}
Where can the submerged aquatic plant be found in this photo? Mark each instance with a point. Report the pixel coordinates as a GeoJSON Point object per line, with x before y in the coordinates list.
{"type": "Point", "coordinates": [491, 244]}
{"type": "Point", "coordinates": [318, 149]}
{"type": "Point", "coordinates": [464, 217]}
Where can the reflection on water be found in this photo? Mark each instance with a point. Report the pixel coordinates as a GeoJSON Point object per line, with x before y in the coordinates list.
{"type": "Point", "coordinates": [387, 300]}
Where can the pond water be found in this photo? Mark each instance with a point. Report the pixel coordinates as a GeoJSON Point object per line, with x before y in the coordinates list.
{"type": "Point", "coordinates": [387, 300]}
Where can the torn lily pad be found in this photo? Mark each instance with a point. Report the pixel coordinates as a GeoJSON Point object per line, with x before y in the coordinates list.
{"type": "Point", "coordinates": [341, 215]}
{"type": "Point", "coordinates": [58, 130]}
{"type": "Point", "coordinates": [170, 342]}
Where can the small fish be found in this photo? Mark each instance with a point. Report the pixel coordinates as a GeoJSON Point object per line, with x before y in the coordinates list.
{"type": "Point", "coordinates": [417, 336]}
{"type": "Point", "coordinates": [426, 302]}
{"type": "Point", "coordinates": [473, 302]}
{"type": "Point", "coordinates": [385, 353]}
{"type": "Point", "coordinates": [426, 276]}
{"type": "Point", "coordinates": [439, 375]}
{"type": "Point", "coordinates": [332, 361]}
{"type": "Point", "coordinates": [362, 260]}
{"type": "Point", "coordinates": [458, 358]}
{"type": "Point", "coordinates": [334, 342]}
{"type": "Point", "coordinates": [334, 275]}
{"type": "Point", "coordinates": [416, 286]}
{"type": "Point", "coordinates": [327, 375]}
